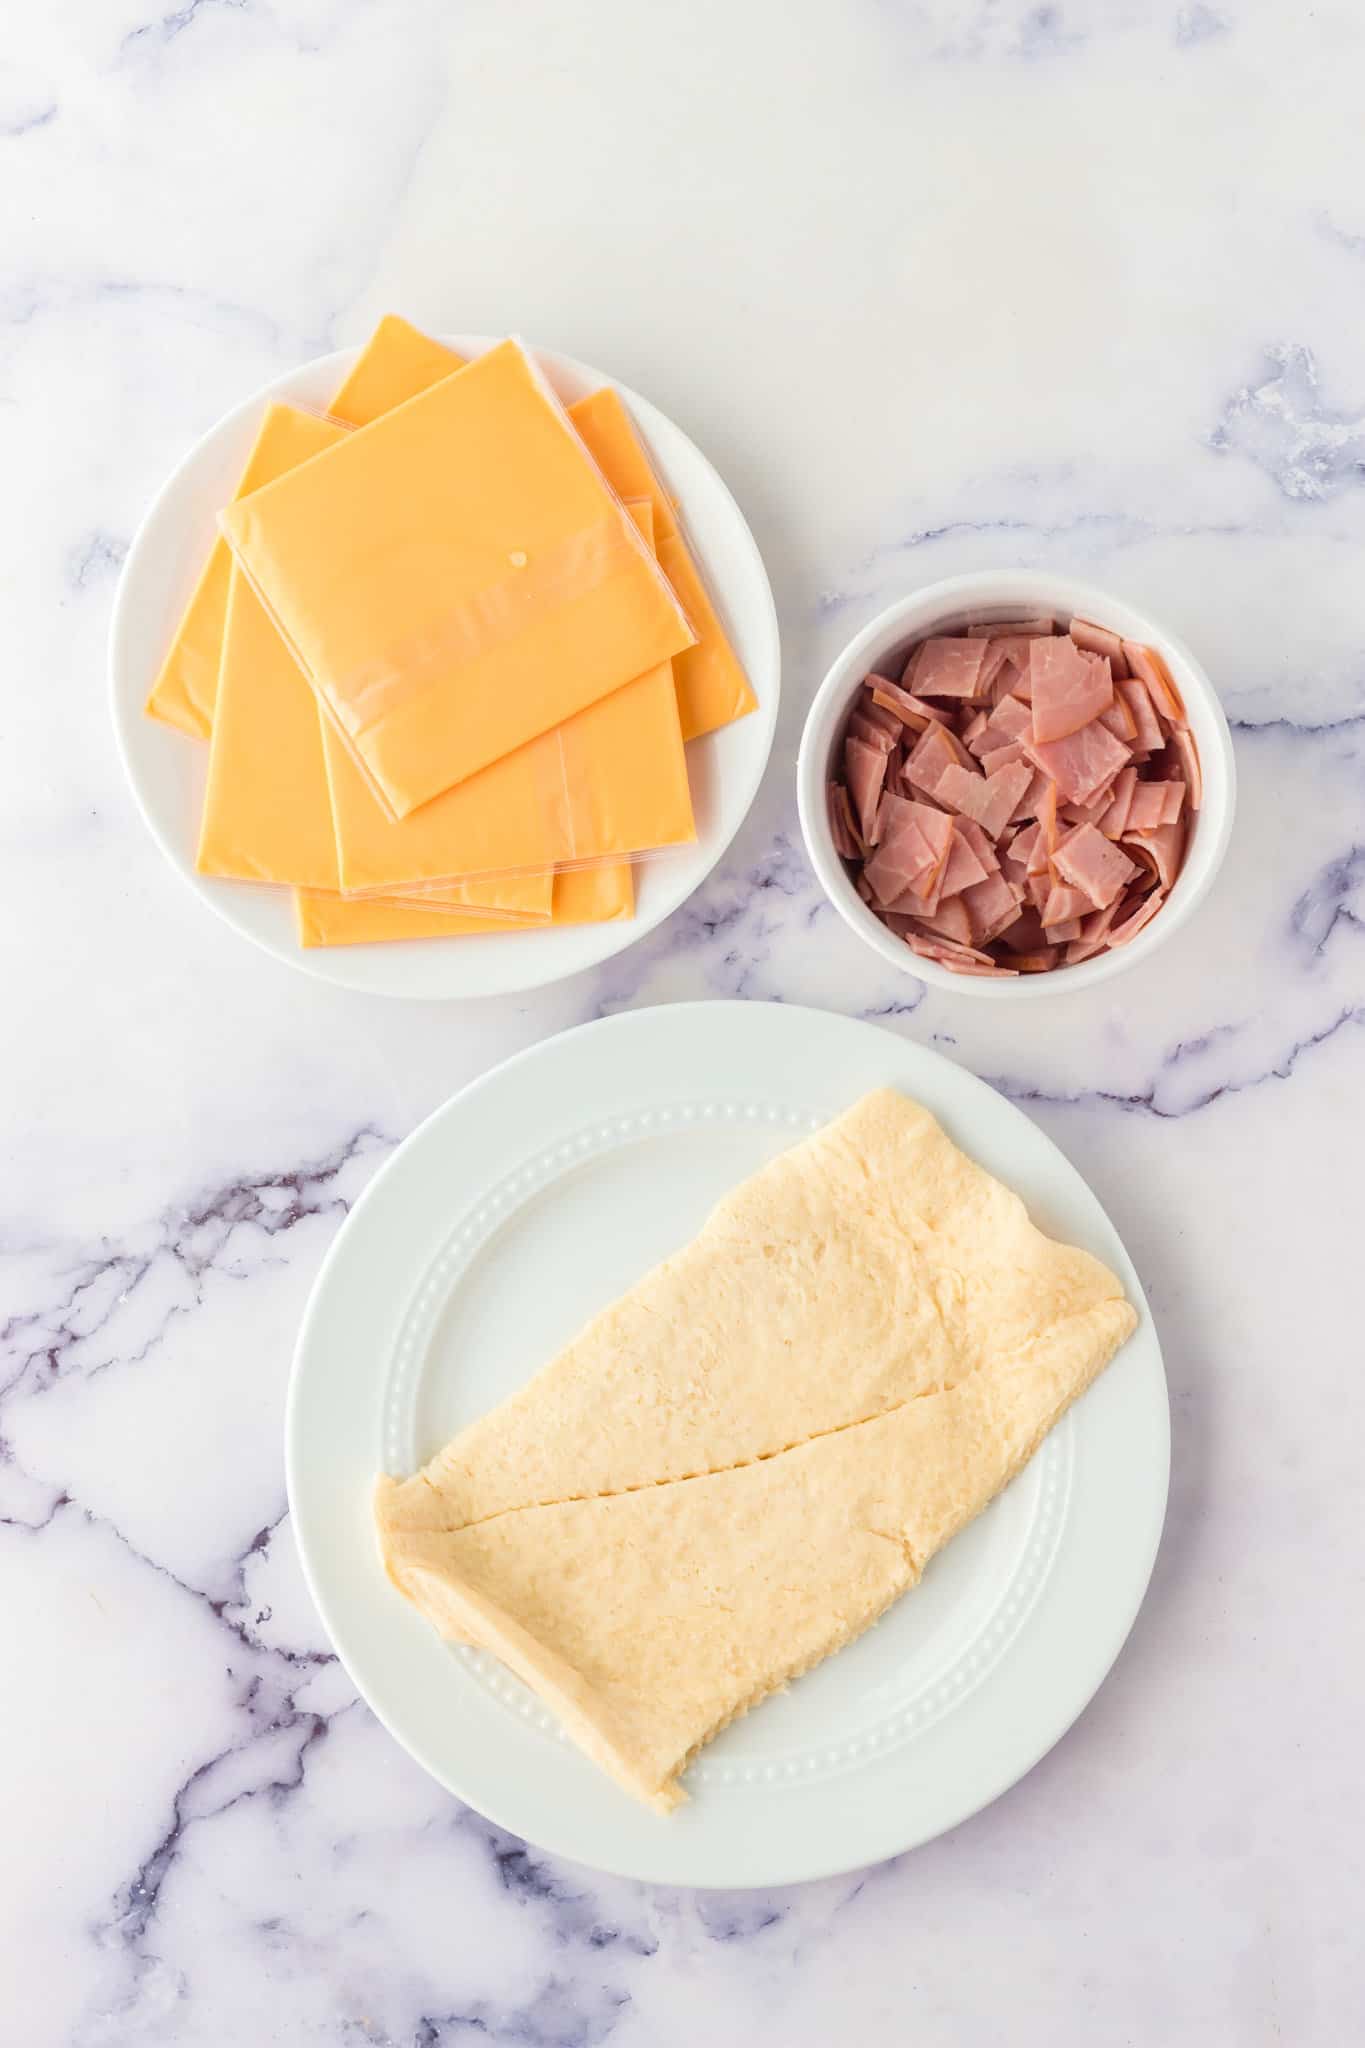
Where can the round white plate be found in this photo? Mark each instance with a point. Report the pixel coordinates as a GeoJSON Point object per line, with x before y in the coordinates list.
{"type": "Point", "coordinates": [167, 769]}
{"type": "Point", "coordinates": [527, 1203]}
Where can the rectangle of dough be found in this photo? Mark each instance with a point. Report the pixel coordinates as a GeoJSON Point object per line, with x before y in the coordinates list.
{"type": "Point", "coordinates": [738, 1466]}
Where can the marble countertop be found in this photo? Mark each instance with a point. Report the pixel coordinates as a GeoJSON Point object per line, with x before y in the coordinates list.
{"type": "Point", "coordinates": [938, 286]}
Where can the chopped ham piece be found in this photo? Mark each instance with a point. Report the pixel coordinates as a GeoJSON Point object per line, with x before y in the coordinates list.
{"type": "Point", "coordinates": [1094, 933]}
{"type": "Point", "coordinates": [860, 728]}
{"type": "Point", "coordinates": [1133, 923]}
{"type": "Point", "coordinates": [1094, 866]}
{"type": "Point", "coordinates": [866, 707]}
{"type": "Point", "coordinates": [945, 949]}
{"type": "Point", "coordinates": [1082, 763]}
{"type": "Point", "coordinates": [1119, 720]}
{"type": "Point", "coordinates": [1064, 905]}
{"type": "Point", "coordinates": [1001, 757]}
{"type": "Point", "coordinates": [1099, 640]}
{"type": "Point", "coordinates": [903, 706]}
{"type": "Point", "coordinates": [1021, 799]}
{"type": "Point", "coordinates": [1148, 807]}
{"type": "Point", "coordinates": [864, 772]}
{"type": "Point", "coordinates": [1067, 688]}
{"type": "Point", "coordinates": [951, 920]}
{"type": "Point", "coordinates": [992, 905]}
{"type": "Point", "coordinates": [1149, 667]}
{"type": "Point", "coordinates": [1149, 737]}
{"type": "Point", "coordinates": [1182, 739]}
{"type": "Point", "coordinates": [907, 855]}
{"type": "Point", "coordinates": [846, 842]}
{"type": "Point", "coordinates": [1115, 816]}
{"type": "Point", "coordinates": [981, 845]}
{"type": "Point", "coordinates": [988, 801]}
{"type": "Point", "coordinates": [1031, 802]}
{"type": "Point", "coordinates": [945, 668]}
{"type": "Point", "coordinates": [962, 867]}
{"type": "Point", "coordinates": [1025, 935]}
{"type": "Point", "coordinates": [935, 751]}
{"type": "Point", "coordinates": [1010, 720]}
{"type": "Point", "coordinates": [1012, 629]}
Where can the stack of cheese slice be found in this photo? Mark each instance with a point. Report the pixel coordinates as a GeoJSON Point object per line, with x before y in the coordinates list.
{"type": "Point", "coordinates": [736, 1468]}
{"type": "Point", "coordinates": [446, 654]}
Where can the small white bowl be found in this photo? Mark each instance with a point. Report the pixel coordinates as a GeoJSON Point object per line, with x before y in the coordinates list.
{"type": "Point", "coordinates": [950, 607]}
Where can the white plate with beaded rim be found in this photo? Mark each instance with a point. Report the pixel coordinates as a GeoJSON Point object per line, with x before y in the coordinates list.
{"type": "Point", "coordinates": [167, 770]}
{"type": "Point", "coordinates": [531, 1200]}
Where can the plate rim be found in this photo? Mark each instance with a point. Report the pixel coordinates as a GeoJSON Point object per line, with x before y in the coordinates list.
{"type": "Point", "coordinates": [1103, 1646]}
{"type": "Point", "coordinates": [332, 965]}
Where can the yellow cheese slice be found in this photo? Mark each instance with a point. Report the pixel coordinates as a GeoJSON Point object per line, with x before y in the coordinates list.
{"type": "Point", "coordinates": [611, 781]}
{"type": "Point", "coordinates": [789, 1419]}
{"type": "Point", "coordinates": [186, 686]}
{"type": "Point", "coordinates": [456, 578]}
{"type": "Point", "coordinates": [267, 815]}
{"type": "Point", "coordinates": [596, 895]}
{"type": "Point", "coordinates": [395, 364]}
{"type": "Point", "coordinates": [713, 689]}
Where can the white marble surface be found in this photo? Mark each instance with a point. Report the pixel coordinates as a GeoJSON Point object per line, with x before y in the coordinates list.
{"type": "Point", "coordinates": [938, 286]}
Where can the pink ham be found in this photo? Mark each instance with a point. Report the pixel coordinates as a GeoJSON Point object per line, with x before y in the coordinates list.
{"type": "Point", "coordinates": [846, 842]}
{"type": "Point", "coordinates": [1148, 807]}
{"type": "Point", "coordinates": [906, 855]}
{"type": "Point", "coordinates": [1010, 629]}
{"type": "Point", "coordinates": [1114, 818]}
{"type": "Point", "coordinates": [992, 808]}
{"type": "Point", "coordinates": [1093, 936]}
{"type": "Point", "coordinates": [1159, 853]}
{"type": "Point", "coordinates": [865, 773]}
{"type": "Point", "coordinates": [1065, 905]}
{"type": "Point", "coordinates": [1182, 739]}
{"type": "Point", "coordinates": [962, 868]}
{"type": "Point", "coordinates": [1010, 720]}
{"type": "Point", "coordinates": [890, 698]}
{"type": "Point", "coordinates": [860, 728]}
{"type": "Point", "coordinates": [1094, 866]}
{"type": "Point", "coordinates": [992, 906]}
{"type": "Point", "coordinates": [987, 801]}
{"type": "Point", "coordinates": [1001, 757]}
{"type": "Point", "coordinates": [1031, 802]}
{"type": "Point", "coordinates": [1119, 720]}
{"type": "Point", "coordinates": [1099, 640]}
{"type": "Point", "coordinates": [935, 751]}
{"type": "Point", "coordinates": [867, 707]}
{"type": "Point", "coordinates": [946, 668]}
{"type": "Point", "coordinates": [1149, 667]}
{"type": "Point", "coordinates": [1149, 737]}
{"type": "Point", "coordinates": [1068, 689]}
{"type": "Point", "coordinates": [1082, 763]}
{"type": "Point", "coordinates": [1134, 922]}
{"type": "Point", "coordinates": [982, 847]}
{"type": "Point", "coordinates": [949, 921]}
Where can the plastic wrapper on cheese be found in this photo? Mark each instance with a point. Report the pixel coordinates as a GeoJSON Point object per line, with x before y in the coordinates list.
{"type": "Point", "coordinates": [186, 686]}
{"type": "Point", "coordinates": [599, 895]}
{"type": "Point", "coordinates": [713, 689]}
{"type": "Point", "coordinates": [456, 578]}
{"type": "Point", "coordinates": [609, 784]}
{"type": "Point", "coordinates": [267, 815]}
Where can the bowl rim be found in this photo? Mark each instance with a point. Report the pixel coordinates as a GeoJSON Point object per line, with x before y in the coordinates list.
{"type": "Point", "coordinates": [997, 590]}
